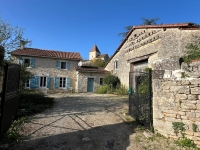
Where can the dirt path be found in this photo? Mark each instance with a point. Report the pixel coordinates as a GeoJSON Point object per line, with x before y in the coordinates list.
{"type": "Point", "coordinates": [86, 122]}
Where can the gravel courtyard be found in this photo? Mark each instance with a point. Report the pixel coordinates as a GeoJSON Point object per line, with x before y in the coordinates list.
{"type": "Point", "coordinates": [86, 122]}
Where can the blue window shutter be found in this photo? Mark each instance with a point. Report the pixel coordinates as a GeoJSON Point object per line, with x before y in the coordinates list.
{"type": "Point", "coordinates": [58, 64]}
{"type": "Point", "coordinates": [68, 83]}
{"type": "Point", "coordinates": [56, 82]}
{"type": "Point", "coordinates": [48, 82]}
{"type": "Point", "coordinates": [32, 64]}
{"type": "Point", "coordinates": [34, 82]}
{"type": "Point", "coordinates": [21, 61]}
{"type": "Point", "coordinates": [68, 65]}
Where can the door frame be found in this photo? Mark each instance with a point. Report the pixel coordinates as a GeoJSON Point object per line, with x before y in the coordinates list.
{"type": "Point", "coordinates": [93, 83]}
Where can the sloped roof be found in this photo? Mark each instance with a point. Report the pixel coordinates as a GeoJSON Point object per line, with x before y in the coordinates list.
{"type": "Point", "coordinates": [95, 49]}
{"type": "Point", "coordinates": [183, 26]}
{"type": "Point", "coordinates": [91, 69]}
{"type": "Point", "coordinates": [46, 53]}
{"type": "Point", "coordinates": [102, 56]}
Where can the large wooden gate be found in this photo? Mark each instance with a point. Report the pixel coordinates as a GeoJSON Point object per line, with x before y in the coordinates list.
{"type": "Point", "coordinates": [9, 96]}
{"type": "Point", "coordinates": [140, 98]}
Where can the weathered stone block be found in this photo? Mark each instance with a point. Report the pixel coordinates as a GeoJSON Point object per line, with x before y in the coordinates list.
{"type": "Point", "coordinates": [195, 90]}
{"type": "Point", "coordinates": [185, 82]}
{"type": "Point", "coordinates": [180, 89]}
{"type": "Point", "coordinates": [181, 96]}
{"type": "Point", "coordinates": [191, 133]}
{"type": "Point", "coordinates": [197, 134]}
{"type": "Point", "coordinates": [195, 81]}
{"type": "Point", "coordinates": [192, 97]}
{"type": "Point", "coordinates": [189, 106]}
{"type": "Point", "coordinates": [190, 114]}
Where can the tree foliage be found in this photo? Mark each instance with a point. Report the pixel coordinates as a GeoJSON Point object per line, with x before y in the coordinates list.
{"type": "Point", "coordinates": [99, 62]}
{"type": "Point", "coordinates": [149, 21]}
{"type": "Point", "coordinates": [192, 52]}
{"type": "Point", "coordinates": [10, 36]}
{"type": "Point", "coordinates": [127, 29]}
{"type": "Point", "coordinates": [24, 76]}
{"type": "Point", "coordinates": [145, 21]}
{"type": "Point", "coordinates": [111, 80]}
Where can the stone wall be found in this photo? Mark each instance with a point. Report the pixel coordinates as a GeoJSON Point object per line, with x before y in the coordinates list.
{"type": "Point", "coordinates": [82, 80]}
{"type": "Point", "coordinates": [177, 101]}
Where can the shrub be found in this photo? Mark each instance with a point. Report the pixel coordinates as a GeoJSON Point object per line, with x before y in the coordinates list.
{"type": "Point", "coordinates": [31, 102]}
{"type": "Point", "coordinates": [185, 142]}
{"type": "Point", "coordinates": [121, 90]}
{"type": "Point", "coordinates": [104, 89]}
{"type": "Point", "coordinates": [111, 80]}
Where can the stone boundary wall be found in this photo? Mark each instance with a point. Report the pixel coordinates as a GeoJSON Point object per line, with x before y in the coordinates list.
{"type": "Point", "coordinates": [177, 100]}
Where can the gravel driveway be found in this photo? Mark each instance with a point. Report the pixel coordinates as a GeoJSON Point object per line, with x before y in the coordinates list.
{"type": "Point", "coordinates": [79, 122]}
{"type": "Point", "coordinates": [87, 122]}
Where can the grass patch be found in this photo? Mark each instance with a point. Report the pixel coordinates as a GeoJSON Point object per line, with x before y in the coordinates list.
{"type": "Point", "coordinates": [185, 142]}
{"type": "Point", "coordinates": [12, 133]}
{"type": "Point", "coordinates": [32, 102]}
{"type": "Point", "coordinates": [138, 139]}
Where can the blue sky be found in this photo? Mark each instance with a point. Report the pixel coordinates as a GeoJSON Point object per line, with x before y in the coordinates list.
{"type": "Point", "coordinates": [76, 25]}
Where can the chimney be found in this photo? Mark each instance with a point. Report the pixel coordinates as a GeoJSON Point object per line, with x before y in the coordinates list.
{"type": "Point", "coordinates": [22, 44]}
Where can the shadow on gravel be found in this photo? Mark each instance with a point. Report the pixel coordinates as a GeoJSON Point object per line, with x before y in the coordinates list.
{"type": "Point", "coordinates": [108, 137]}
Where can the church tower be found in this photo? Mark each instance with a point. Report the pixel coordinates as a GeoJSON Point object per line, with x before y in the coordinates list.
{"type": "Point", "coordinates": [94, 53]}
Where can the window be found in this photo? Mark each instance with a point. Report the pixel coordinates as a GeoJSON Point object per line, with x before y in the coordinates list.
{"type": "Point", "coordinates": [27, 84]}
{"type": "Point", "coordinates": [62, 82]}
{"type": "Point", "coordinates": [115, 64]}
{"type": "Point", "coordinates": [63, 65]}
{"type": "Point", "coordinates": [43, 81]}
{"type": "Point", "coordinates": [101, 81]}
{"type": "Point", "coordinates": [27, 62]}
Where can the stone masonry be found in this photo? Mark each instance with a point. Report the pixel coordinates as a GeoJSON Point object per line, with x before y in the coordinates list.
{"type": "Point", "coordinates": [149, 44]}
{"type": "Point", "coordinates": [177, 101]}
{"type": "Point", "coordinates": [47, 67]}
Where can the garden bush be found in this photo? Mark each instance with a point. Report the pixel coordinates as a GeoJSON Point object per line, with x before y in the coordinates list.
{"type": "Point", "coordinates": [111, 80]}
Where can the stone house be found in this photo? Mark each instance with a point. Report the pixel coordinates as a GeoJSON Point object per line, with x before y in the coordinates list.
{"type": "Point", "coordinates": [149, 43]}
{"type": "Point", "coordinates": [52, 70]}
{"type": "Point", "coordinates": [88, 76]}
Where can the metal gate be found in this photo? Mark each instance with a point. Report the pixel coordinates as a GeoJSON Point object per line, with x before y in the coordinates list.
{"type": "Point", "coordinates": [140, 98]}
{"type": "Point", "coordinates": [9, 96]}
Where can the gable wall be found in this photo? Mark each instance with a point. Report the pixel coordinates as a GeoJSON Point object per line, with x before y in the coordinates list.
{"type": "Point", "coordinates": [158, 43]}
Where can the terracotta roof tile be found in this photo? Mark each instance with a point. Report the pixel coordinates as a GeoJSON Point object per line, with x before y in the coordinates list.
{"type": "Point", "coordinates": [95, 49]}
{"type": "Point", "coordinates": [46, 53]}
{"type": "Point", "coordinates": [91, 69]}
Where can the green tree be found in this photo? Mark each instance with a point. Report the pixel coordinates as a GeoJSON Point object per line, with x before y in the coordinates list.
{"type": "Point", "coordinates": [149, 21]}
{"type": "Point", "coordinates": [99, 62]}
{"type": "Point", "coordinates": [24, 76]}
{"type": "Point", "coordinates": [10, 36]}
{"type": "Point", "coordinates": [192, 51]}
{"type": "Point", "coordinates": [145, 21]}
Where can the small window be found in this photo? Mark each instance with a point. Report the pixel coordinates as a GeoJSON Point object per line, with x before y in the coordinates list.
{"type": "Point", "coordinates": [62, 82]}
{"type": "Point", "coordinates": [43, 81]}
{"type": "Point", "coordinates": [115, 64]}
{"type": "Point", "coordinates": [101, 81]}
{"type": "Point", "coordinates": [63, 65]}
{"type": "Point", "coordinates": [27, 62]}
{"type": "Point", "coordinates": [27, 84]}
